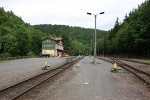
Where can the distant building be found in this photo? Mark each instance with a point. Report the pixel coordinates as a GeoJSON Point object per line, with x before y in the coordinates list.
{"type": "Point", "coordinates": [53, 46]}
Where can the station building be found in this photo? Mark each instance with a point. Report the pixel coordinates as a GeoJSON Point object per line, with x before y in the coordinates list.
{"type": "Point", "coordinates": [54, 47]}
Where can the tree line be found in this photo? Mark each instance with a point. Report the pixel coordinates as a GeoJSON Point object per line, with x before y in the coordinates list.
{"type": "Point", "coordinates": [76, 40]}
{"type": "Point", "coordinates": [132, 36]}
{"type": "Point", "coordinates": [18, 38]}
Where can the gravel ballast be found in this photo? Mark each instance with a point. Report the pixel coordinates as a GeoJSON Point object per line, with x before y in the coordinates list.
{"type": "Point", "coordinates": [89, 82]}
{"type": "Point", "coordinates": [14, 71]}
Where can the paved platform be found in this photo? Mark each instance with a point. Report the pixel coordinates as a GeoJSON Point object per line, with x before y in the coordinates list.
{"type": "Point", "coordinates": [90, 82]}
{"type": "Point", "coordinates": [96, 83]}
{"type": "Point", "coordinates": [13, 71]}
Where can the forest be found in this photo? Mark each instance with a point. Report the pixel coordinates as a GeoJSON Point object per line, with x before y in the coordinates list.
{"type": "Point", "coordinates": [18, 38]}
{"type": "Point", "coordinates": [76, 40]}
{"type": "Point", "coordinates": [130, 37]}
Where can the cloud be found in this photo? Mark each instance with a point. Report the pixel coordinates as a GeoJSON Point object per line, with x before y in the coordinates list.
{"type": "Point", "coordinates": [71, 12]}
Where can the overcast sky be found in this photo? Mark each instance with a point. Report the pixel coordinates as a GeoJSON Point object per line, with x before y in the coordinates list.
{"type": "Point", "coordinates": [71, 12]}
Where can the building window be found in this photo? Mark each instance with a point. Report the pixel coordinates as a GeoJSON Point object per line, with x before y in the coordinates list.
{"type": "Point", "coordinates": [48, 40]}
{"type": "Point", "coordinates": [48, 45]}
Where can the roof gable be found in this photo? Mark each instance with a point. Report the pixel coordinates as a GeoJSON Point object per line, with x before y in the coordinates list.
{"type": "Point", "coordinates": [48, 40]}
{"type": "Point", "coordinates": [55, 39]}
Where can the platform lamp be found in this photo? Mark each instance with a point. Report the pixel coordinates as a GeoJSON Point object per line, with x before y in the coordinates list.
{"type": "Point", "coordinates": [94, 58]}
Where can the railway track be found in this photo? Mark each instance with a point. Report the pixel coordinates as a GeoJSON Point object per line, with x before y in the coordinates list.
{"type": "Point", "coordinates": [135, 61]}
{"type": "Point", "coordinates": [144, 75]}
{"type": "Point", "coordinates": [20, 89]}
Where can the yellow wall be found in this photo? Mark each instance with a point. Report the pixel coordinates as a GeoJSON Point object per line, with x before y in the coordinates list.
{"type": "Point", "coordinates": [51, 52]}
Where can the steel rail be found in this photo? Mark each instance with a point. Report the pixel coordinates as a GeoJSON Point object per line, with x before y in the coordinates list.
{"type": "Point", "coordinates": [69, 63]}
{"type": "Point", "coordinates": [136, 69]}
{"type": "Point", "coordinates": [17, 90]}
{"type": "Point", "coordinates": [133, 70]}
{"type": "Point", "coordinates": [135, 61]}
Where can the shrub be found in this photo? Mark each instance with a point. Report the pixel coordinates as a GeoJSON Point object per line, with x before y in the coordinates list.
{"type": "Point", "coordinates": [31, 54]}
{"type": "Point", "coordinates": [4, 55]}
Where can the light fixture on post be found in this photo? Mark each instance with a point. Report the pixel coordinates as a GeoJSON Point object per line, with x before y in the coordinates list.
{"type": "Point", "coordinates": [94, 57]}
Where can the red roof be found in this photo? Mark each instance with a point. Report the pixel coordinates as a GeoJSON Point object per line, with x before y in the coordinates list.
{"type": "Point", "coordinates": [57, 39]}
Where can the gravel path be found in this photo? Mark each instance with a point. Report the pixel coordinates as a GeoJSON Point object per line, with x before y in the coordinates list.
{"type": "Point", "coordinates": [89, 82]}
{"type": "Point", "coordinates": [14, 71]}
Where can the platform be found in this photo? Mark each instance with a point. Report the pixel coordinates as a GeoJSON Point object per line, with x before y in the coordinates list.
{"type": "Point", "coordinates": [86, 81]}
{"type": "Point", "coordinates": [97, 83]}
{"type": "Point", "coordinates": [14, 71]}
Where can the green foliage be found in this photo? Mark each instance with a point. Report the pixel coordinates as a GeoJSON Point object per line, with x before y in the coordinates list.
{"type": "Point", "coordinates": [132, 36]}
{"type": "Point", "coordinates": [21, 39]}
{"type": "Point", "coordinates": [4, 55]}
{"type": "Point", "coordinates": [73, 37]}
{"type": "Point", "coordinates": [31, 54]}
{"type": "Point", "coordinates": [75, 33]}
{"type": "Point", "coordinates": [0, 40]}
{"type": "Point", "coordinates": [10, 44]}
{"type": "Point", "coordinates": [17, 37]}
{"type": "Point", "coordinates": [66, 41]}
{"type": "Point", "coordinates": [36, 41]}
{"type": "Point", "coordinates": [23, 42]}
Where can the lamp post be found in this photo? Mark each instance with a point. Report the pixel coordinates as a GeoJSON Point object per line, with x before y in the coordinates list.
{"type": "Point", "coordinates": [94, 58]}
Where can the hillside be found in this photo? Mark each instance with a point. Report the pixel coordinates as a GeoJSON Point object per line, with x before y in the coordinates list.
{"type": "Point", "coordinates": [83, 35]}
{"type": "Point", "coordinates": [132, 36]}
{"type": "Point", "coordinates": [18, 38]}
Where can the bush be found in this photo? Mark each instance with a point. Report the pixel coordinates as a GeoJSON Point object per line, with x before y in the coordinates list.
{"type": "Point", "coordinates": [31, 54]}
{"type": "Point", "coordinates": [5, 55]}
